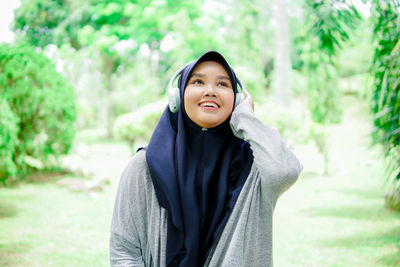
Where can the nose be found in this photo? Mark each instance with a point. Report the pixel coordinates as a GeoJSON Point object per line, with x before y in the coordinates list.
{"type": "Point", "coordinates": [210, 91]}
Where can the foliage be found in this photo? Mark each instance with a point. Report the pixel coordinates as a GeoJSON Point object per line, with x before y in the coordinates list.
{"type": "Point", "coordinates": [295, 125]}
{"type": "Point", "coordinates": [386, 94]}
{"type": "Point", "coordinates": [41, 104]}
{"type": "Point", "coordinates": [354, 62]}
{"type": "Point", "coordinates": [331, 22]}
{"type": "Point", "coordinates": [8, 140]}
{"type": "Point", "coordinates": [38, 20]}
{"type": "Point", "coordinates": [323, 92]}
{"type": "Point", "coordinates": [328, 25]}
{"type": "Point", "coordinates": [289, 122]}
{"type": "Point", "coordinates": [136, 46]}
{"type": "Point", "coordinates": [392, 200]}
{"type": "Point", "coordinates": [114, 33]}
{"type": "Point", "coordinates": [359, 48]}
{"type": "Point", "coordinates": [136, 128]}
{"type": "Point", "coordinates": [248, 42]}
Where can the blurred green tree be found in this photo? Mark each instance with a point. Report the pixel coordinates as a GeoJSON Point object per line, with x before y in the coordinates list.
{"type": "Point", "coordinates": [247, 39]}
{"type": "Point", "coordinates": [37, 111]}
{"type": "Point", "coordinates": [328, 24]}
{"type": "Point", "coordinates": [8, 140]}
{"type": "Point", "coordinates": [386, 93]}
{"type": "Point", "coordinates": [114, 31]}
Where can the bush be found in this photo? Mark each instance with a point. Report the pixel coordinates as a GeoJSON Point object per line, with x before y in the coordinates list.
{"type": "Point", "coordinates": [136, 128]}
{"type": "Point", "coordinates": [289, 122]}
{"type": "Point", "coordinates": [386, 91]}
{"type": "Point", "coordinates": [42, 104]}
{"type": "Point", "coordinates": [8, 140]}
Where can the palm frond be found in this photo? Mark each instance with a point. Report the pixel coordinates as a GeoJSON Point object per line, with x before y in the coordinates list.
{"type": "Point", "coordinates": [386, 96]}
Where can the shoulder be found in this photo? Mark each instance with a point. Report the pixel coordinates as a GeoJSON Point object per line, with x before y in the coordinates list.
{"type": "Point", "coordinates": [136, 173]}
{"type": "Point", "coordinates": [138, 161]}
{"type": "Point", "coordinates": [137, 164]}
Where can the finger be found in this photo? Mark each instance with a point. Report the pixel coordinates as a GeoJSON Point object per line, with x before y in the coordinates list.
{"type": "Point", "coordinates": [246, 94]}
{"type": "Point", "coordinates": [250, 99]}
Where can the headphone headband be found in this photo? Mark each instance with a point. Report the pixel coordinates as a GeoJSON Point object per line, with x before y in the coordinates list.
{"type": "Point", "coordinates": [175, 76]}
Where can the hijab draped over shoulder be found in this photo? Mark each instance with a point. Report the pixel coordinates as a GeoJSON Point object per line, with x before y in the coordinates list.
{"type": "Point", "coordinates": [197, 175]}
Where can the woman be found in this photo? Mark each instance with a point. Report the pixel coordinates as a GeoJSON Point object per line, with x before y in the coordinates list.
{"type": "Point", "coordinates": [204, 190]}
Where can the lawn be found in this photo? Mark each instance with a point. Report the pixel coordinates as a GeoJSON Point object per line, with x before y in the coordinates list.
{"type": "Point", "coordinates": [334, 220]}
{"type": "Point", "coordinates": [44, 224]}
{"type": "Point", "coordinates": [339, 219]}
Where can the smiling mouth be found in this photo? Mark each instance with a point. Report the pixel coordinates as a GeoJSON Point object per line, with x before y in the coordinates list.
{"type": "Point", "coordinates": [209, 105]}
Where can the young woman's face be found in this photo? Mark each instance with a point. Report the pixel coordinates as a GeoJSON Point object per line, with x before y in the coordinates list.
{"type": "Point", "coordinates": [209, 95]}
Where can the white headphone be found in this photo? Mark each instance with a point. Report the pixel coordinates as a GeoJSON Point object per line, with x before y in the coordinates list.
{"type": "Point", "coordinates": [174, 99]}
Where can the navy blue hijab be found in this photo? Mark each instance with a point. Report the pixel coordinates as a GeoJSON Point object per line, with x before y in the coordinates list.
{"type": "Point", "coordinates": [197, 175]}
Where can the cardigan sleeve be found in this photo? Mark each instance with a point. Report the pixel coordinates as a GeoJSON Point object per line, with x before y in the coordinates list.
{"type": "Point", "coordinates": [125, 247]}
{"type": "Point", "coordinates": [278, 166]}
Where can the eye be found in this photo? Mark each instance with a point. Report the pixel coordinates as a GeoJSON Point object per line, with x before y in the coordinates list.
{"type": "Point", "coordinates": [198, 82]}
{"type": "Point", "coordinates": [224, 84]}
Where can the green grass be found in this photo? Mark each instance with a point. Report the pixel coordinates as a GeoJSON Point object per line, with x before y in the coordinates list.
{"type": "Point", "coordinates": [335, 220]}
{"type": "Point", "coordinates": [339, 219]}
{"type": "Point", "coordinates": [46, 225]}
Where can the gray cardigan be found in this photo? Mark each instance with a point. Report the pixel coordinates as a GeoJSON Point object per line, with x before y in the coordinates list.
{"type": "Point", "coordinates": [139, 224]}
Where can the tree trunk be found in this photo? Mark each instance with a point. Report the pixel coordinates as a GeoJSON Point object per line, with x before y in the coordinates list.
{"type": "Point", "coordinates": [282, 64]}
{"type": "Point", "coordinates": [109, 106]}
{"type": "Point", "coordinates": [107, 118]}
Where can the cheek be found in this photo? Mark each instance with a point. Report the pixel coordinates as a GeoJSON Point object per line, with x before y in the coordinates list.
{"type": "Point", "coordinates": [230, 99]}
{"type": "Point", "coordinates": [186, 94]}
{"type": "Point", "coordinates": [189, 96]}
{"type": "Point", "coordinates": [192, 94]}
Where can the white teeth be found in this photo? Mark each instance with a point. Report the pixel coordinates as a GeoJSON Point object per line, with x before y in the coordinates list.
{"type": "Point", "coordinates": [209, 104]}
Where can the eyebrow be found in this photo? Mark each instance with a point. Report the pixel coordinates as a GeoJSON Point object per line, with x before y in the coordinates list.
{"type": "Point", "coordinates": [223, 77]}
{"type": "Point", "coordinates": [196, 75]}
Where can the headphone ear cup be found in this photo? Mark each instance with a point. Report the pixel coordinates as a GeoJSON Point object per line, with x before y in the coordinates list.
{"type": "Point", "coordinates": [174, 99]}
{"type": "Point", "coordinates": [239, 99]}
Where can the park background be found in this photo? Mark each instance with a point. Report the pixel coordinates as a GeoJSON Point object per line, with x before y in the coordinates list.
{"type": "Point", "coordinates": [83, 83]}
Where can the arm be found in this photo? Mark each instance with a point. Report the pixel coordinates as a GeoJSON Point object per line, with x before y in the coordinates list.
{"type": "Point", "coordinates": [278, 166]}
{"type": "Point", "coordinates": [125, 248]}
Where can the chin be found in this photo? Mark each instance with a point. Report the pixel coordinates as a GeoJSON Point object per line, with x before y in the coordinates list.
{"type": "Point", "coordinates": [210, 124]}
